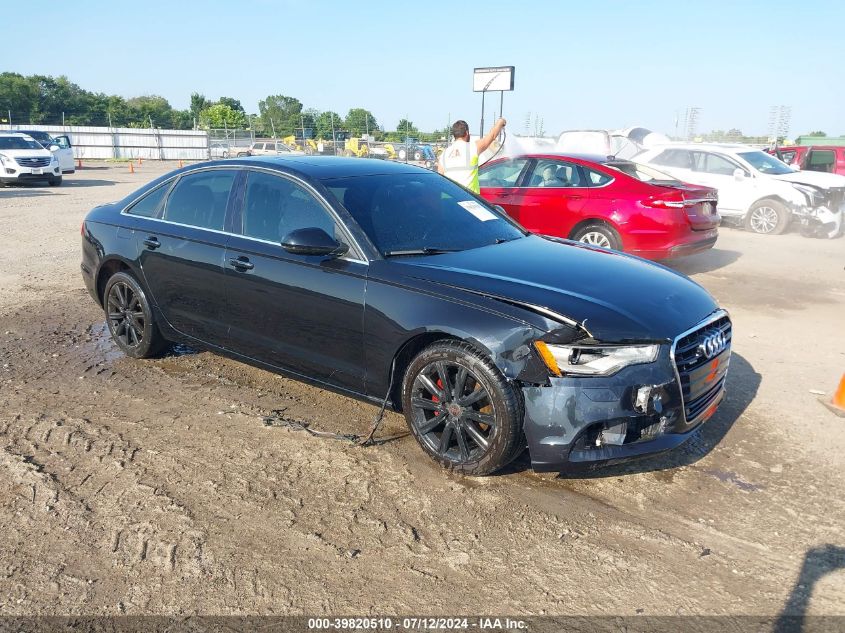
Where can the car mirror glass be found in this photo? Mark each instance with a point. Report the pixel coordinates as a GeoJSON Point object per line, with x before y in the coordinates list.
{"type": "Point", "coordinates": [739, 174]}
{"type": "Point", "coordinates": [54, 147]}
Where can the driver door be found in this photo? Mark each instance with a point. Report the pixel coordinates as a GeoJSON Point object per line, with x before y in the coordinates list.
{"type": "Point", "coordinates": [300, 313]}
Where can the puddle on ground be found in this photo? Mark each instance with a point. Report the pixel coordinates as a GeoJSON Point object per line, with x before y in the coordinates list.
{"type": "Point", "coordinates": [729, 477]}
{"type": "Point", "coordinates": [102, 345]}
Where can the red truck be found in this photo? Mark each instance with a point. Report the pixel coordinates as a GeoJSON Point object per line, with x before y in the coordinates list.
{"type": "Point", "coordinates": [829, 158]}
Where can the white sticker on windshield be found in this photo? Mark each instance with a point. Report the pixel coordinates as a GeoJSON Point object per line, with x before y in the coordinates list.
{"type": "Point", "coordinates": [478, 211]}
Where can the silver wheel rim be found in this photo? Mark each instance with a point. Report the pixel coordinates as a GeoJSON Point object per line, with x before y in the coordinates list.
{"type": "Point", "coordinates": [764, 220]}
{"type": "Point", "coordinates": [595, 239]}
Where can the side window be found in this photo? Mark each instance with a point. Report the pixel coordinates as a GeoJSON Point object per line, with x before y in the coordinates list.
{"type": "Point", "coordinates": [504, 174]}
{"type": "Point", "coordinates": [555, 173]}
{"type": "Point", "coordinates": [596, 178]}
{"type": "Point", "coordinates": [274, 206]}
{"type": "Point", "coordinates": [200, 199]}
{"type": "Point", "coordinates": [674, 158]}
{"type": "Point", "coordinates": [714, 164]}
{"type": "Point", "coordinates": [147, 207]}
{"type": "Point", "coordinates": [62, 141]}
{"type": "Point", "coordinates": [788, 157]}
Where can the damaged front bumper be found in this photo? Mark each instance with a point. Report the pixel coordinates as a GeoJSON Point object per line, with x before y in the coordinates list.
{"type": "Point", "coordinates": [575, 423]}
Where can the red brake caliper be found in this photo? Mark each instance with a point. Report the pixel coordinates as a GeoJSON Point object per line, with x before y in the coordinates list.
{"type": "Point", "coordinates": [439, 383]}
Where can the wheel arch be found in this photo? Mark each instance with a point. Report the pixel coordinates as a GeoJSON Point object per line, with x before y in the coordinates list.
{"type": "Point", "coordinates": [417, 343]}
{"type": "Point", "coordinates": [775, 197]}
{"type": "Point", "coordinates": [109, 267]}
{"type": "Point", "coordinates": [596, 220]}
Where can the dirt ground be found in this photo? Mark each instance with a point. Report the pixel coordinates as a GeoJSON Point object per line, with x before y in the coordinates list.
{"type": "Point", "coordinates": [155, 487]}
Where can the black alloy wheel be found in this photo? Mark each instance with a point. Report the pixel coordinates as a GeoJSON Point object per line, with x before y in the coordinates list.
{"type": "Point", "coordinates": [462, 411]}
{"type": "Point", "coordinates": [130, 319]}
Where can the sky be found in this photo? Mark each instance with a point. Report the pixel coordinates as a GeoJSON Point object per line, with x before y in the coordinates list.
{"type": "Point", "coordinates": [579, 65]}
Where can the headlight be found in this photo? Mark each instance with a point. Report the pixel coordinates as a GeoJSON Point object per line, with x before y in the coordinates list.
{"type": "Point", "coordinates": [590, 360]}
{"type": "Point", "coordinates": [53, 159]}
{"type": "Point", "coordinates": [814, 196]}
{"type": "Point", "coordinates": [4, 158]}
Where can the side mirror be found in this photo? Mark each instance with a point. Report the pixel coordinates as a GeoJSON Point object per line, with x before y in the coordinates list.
{"type": "Point", "coordinates": [739, 174]}
{"type": "Point", "coordinates": [54, 147]}
{"type": "Point", "coordinates": [313, 241]}
{"type": "Point", "coordinates": [500, 209]}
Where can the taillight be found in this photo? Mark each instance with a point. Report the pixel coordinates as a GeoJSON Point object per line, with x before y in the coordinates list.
{"type": "Point", "coordinates": [672, 200]}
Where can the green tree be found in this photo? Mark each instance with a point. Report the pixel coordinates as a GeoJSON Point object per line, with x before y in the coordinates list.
{"type": "Point", "coordinates": [235, 104]}
{"type": "Point", "coordinates": [18, 95]}
{"type": "Point", "coordinates": [323, 123]}
{"type": "Point", "coordinates": [818, 133]}
{"type": "Point", "coordinates": [221, 115]}
{"type": "Point", "coordinates": [406, 128]}
{"type": "Point", "coordinates": [149, 107]}
{"type": "Point", "coordinates": [360, 121]}
{"type": "Point", "coordinates": [198, 104]}
{"type": "Point", "coordinates": [280, 113]}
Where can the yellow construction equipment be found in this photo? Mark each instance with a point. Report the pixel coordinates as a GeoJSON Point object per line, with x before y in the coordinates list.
{"type": "Point", "coordinates": [356, 147]}
{"type": "Point", "coordinates": [290, 141]}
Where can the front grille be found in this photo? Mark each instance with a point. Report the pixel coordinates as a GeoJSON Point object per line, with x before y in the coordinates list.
{"type": "Point", "coordinates": [702, 379]}
{"type": "Point", "coordinates": [37, 161]}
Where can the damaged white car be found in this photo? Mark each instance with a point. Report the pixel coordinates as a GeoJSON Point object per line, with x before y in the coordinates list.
{"type": "Point", "coordinates": [756, 188]}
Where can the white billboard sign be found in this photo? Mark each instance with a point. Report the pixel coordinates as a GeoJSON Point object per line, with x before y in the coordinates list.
{"type": "Point", "coordinates": [493, 78]}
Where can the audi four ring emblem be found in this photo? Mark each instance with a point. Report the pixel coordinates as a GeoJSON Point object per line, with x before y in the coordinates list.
{"type": "Point", "coordinates": [713, 344]}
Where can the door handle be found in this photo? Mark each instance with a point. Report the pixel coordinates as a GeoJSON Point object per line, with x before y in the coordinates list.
{"type": "Point", "coordinates": [152, 242]}
{"type": "Point", "coordinates": [506, 194]}
{"type": "Point", "coordinates": [241, 263]}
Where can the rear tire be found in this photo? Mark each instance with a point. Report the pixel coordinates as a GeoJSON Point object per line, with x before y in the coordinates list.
{"type": "Point", "coordinates": [474, 424]}
{"type": "Point", "coordinates": [403, 154]}
{"type": "Point", "coordinates": [599, 235]}
{"type": "Point", "coordinates": [130, 318]}
{"type": "Point", "coordinates": [768, 217]}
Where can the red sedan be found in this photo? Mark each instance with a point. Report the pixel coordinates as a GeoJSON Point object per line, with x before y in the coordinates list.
{"type": "Point", "coordinates": [607, 202]}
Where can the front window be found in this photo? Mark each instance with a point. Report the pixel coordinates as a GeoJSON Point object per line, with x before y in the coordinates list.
{"type": "Point", "coordinates": [643, 173]}
{"type": "Point", "coordinates": [555, 173]}
{"type": "Point", "coordinates": [18, 142]}
{"type": "Point", "coordinates": [765, 164]}
{"type": "Point", "coordinates": [420, 212]}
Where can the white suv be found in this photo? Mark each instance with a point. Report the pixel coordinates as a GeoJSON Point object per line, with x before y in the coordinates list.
{"type": "Point", "coordinates": [754, 187]}
{"type": "Point", "coordinates": [23, 159]}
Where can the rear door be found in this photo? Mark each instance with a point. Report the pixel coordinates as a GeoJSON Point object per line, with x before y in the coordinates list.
{"type": "Point", "coordinates": [301, 313]}
{"type": "Point", "coordinates": [182, 253]}
{"type": "Point", "coordinates": [819, 159]}
{"type": "Point", "coordinates": [500, 182]}
{"type": "Point", "coordinates": [719, 171]}
{"type": "Point", "coordinates": [554, 195]}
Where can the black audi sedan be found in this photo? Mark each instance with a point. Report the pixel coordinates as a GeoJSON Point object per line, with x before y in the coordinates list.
{"type": "Point", "coordinates": [391, 283]}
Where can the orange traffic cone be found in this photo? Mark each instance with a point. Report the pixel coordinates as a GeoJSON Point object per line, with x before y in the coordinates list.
{"type": "Point", "coordinates": [79, 163]}
{"type": "Point", "coordinates": [180, 164]}
{"type": "Point", "coordinates": [837, 405]}
{"type": "Point", "coordinates": [140, 161]}
{"type": "Point", "coordinates": [131, 167]}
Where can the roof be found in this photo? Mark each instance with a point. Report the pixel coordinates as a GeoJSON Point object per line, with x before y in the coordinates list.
{"type": "Point", "coordinates": [725, 147]}
{"type": "Point", "coordinates": [590, 158]}
{"type": "Point", "coordinates": [4, 133]}
{"type": "Point", "coordinates": [322, 167]}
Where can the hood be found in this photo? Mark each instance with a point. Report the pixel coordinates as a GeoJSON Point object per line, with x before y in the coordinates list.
{"type": "Point", "coordinates": [615, 297]}
{"type": "Point", "coordinates": [814, 178]}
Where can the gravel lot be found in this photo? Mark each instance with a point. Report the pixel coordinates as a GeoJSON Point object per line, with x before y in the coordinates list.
{"type": "Point", "coordinates": [155, 487]}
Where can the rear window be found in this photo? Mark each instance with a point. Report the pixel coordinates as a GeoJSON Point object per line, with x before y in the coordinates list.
{"type": "Point", "coordinates": [200, 199]}
{"type": "Point", "coordinates": [642, 172]}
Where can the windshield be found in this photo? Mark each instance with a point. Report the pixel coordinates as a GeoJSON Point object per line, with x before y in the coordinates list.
{"type": "Point", "coordinates": [765, 164]}
{"type": "Point", "coordinates": [644, 173]}
{"type": "Point", "coordinates": [420, 212]}
{"type": "Point", "coordinates": [42, 137]}
{"type": "Point", "coordinates": [17, 142]}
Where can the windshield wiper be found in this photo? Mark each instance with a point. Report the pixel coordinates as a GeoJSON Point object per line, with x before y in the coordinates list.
{"type": "Point", "coordinates": [420, 251]}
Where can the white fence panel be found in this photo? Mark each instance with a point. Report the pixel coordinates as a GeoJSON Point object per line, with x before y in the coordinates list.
{"type": "Point", "coordinates": [127, 142]}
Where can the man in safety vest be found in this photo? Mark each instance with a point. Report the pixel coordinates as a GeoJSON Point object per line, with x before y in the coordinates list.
{"type": "Point", "coordinates": [459, 161]}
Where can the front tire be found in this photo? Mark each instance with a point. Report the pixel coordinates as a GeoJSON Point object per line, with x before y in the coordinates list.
{"type": "Point", "coordinates": [768, 217]}
{"type": "Point", "coordinates": [462, 410]}
{"type": "Point", "coordinates": [130, 318]}
{"type": "Point", "coordinates": [55, 182]}
{"type": "Point", "coordinates": [599, 235]}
